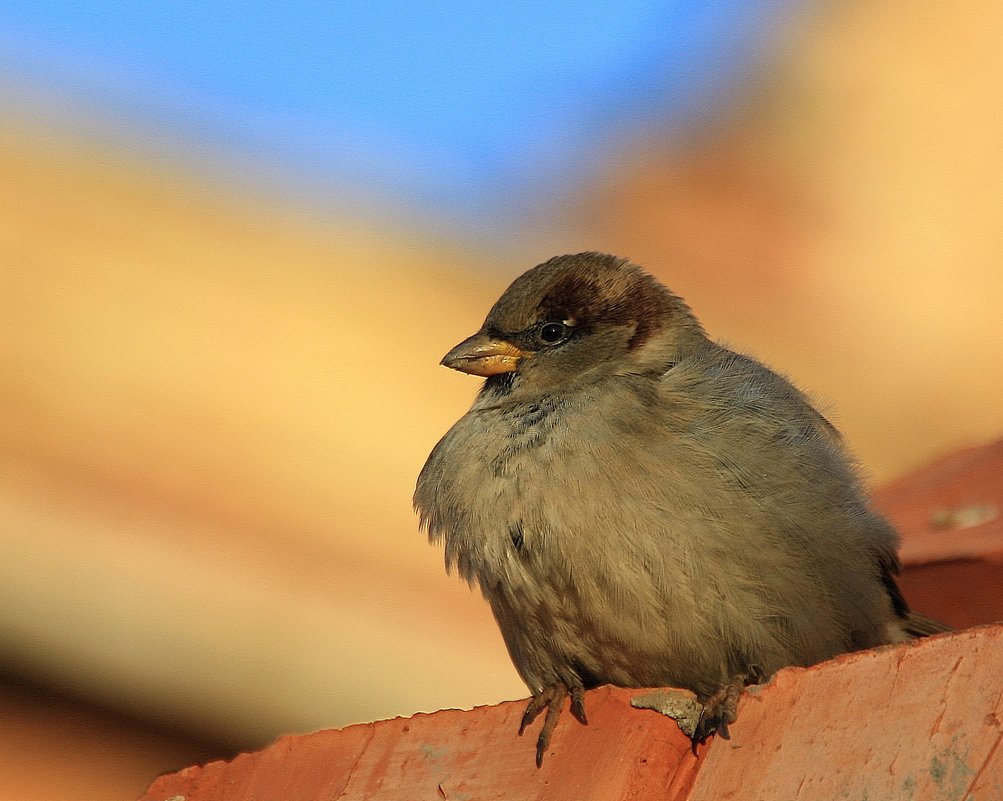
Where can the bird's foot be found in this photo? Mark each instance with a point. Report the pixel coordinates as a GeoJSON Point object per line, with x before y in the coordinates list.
{"type": "Point", "coordinates": [552, 699]}
{"type": "Point", "coordinates": [721, 709]}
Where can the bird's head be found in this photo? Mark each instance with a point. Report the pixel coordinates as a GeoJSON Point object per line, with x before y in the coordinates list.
{"type": "Point", "coordinates": [575, 319]}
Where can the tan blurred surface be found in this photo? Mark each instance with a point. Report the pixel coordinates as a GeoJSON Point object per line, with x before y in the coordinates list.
{"type": "Point", "coordinates": [210, 424]}
{"type": "Point", "coordinates": [220, 414]}
{"type": "Point", "coordinates": [212, 413]}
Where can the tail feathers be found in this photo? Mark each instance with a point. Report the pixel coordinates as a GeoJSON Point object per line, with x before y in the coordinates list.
{"type": "Point", "coordinates": [909, 623]}
{"type": "Point", "coordinates": [918, 625]}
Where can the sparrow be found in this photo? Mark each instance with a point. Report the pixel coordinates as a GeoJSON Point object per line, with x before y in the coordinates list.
{"type": "Point", "coordinates": [644, 507]}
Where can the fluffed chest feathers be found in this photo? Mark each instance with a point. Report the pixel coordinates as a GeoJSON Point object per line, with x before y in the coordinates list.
{"type": "Point", "coordinates": [487, 491]}
{"type": "Point", "coordinates": [515, 494]}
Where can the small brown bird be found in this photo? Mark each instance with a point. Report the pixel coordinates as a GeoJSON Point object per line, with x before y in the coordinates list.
{"type": "Point", "coordinates": [644, 507]}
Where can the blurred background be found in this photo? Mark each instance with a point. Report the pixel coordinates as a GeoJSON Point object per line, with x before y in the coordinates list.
{"type": "Point", "coordinates": [235, 240]}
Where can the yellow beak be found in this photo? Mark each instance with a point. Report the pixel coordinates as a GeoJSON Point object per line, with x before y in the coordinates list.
{"type": "Point", "coordinates": [483, 355]}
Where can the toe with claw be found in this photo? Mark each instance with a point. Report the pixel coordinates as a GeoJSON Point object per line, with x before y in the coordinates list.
{"type": "Point", "coordinates": [721, 709]}
{"type": "Point", "coordinates": [552, 699]}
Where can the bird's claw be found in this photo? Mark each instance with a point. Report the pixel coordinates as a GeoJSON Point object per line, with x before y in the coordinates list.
{"type": "Point", "coordinates": [578, 705]}
{"type": "Point", "coordinates": [552, 699]}
{"type": "Point", "coordinates": [721, 709]}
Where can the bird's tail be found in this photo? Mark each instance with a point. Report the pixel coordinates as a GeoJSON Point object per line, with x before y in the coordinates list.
{"type": "Point", "coordinates": [918, 625]}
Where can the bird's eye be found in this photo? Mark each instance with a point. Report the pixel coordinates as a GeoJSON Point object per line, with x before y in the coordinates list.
{"type": "Point", "coordinates": [552, 333]}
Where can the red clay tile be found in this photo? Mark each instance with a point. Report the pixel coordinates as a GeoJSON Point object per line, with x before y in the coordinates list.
{"type": "Point", "coordinates": [951, 509]}
{"type": "Point", "coordinates": [950, 515]}
{"type": "Point", "coordinates": [919, 721]}
{"type": "Point", "coordinates": [452, 754]}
